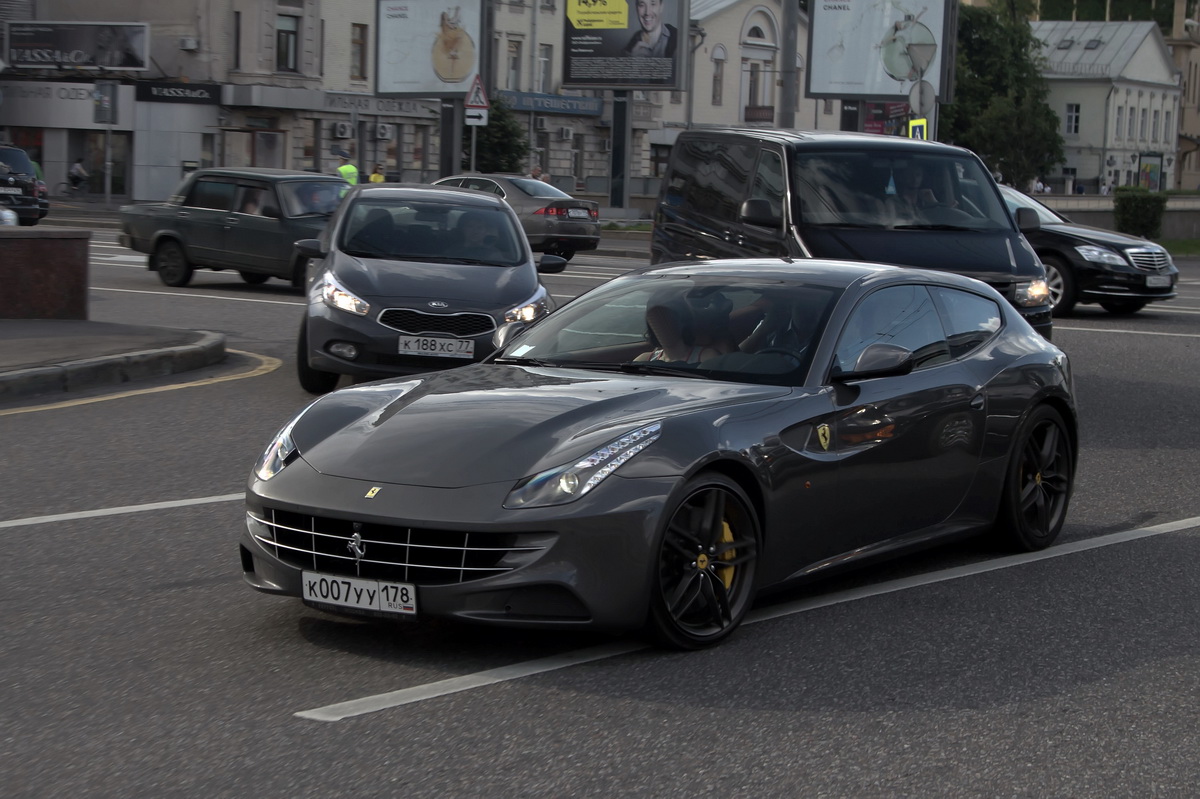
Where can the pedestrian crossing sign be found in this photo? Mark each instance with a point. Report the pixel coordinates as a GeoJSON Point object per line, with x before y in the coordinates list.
{"type": "Point", "coordinates": [476, 97]}
{"type": "Point", "coordinates": [917, 128]}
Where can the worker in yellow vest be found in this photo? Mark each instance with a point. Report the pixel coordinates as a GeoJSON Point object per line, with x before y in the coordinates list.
{"type": "Point", "coordinates": [347, 170]}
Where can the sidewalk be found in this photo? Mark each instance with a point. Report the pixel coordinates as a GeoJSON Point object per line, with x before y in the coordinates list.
{"type": "Point", "coordinates": [50, 357]}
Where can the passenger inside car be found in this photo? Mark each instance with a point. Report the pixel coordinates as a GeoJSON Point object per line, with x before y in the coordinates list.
{"type": "Point", "coordinates": [674, 333]}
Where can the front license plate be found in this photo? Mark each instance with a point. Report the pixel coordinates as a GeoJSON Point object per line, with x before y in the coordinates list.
{"type": "Point", "coordinates": [10, 189]}
{"type": "Point", "coordinates": [578, 213]}
{"type": "Point", "coordinates": [352, 592]}
{"type": "Point", "coordinates": [437, 347]}
{"type": "Point", "coordinates": [1158, 281]}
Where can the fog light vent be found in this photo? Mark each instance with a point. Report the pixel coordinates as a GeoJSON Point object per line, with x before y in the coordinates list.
{"type": "Point", "coordinates": [344, 350]}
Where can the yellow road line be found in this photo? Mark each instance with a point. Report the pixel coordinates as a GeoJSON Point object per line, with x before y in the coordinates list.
{"type": "Point", "coordinates": [266, 365]}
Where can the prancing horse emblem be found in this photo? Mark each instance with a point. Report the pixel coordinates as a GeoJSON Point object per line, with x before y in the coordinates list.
{"type": "Point", "coordinates": [356, 546]}
{"type": "Point", "coordinates": [374, 490]}
{"type": "Point", "coordinates": [823, 436]}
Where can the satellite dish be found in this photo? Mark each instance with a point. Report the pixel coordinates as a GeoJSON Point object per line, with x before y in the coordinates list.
{"type": "Point", "coordinates": [922, 97]}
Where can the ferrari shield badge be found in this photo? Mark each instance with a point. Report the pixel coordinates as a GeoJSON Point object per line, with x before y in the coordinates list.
{"type": "Point", "coordinates": [374, 490]}
{"type": "Point", "coordinates": [823, 436]}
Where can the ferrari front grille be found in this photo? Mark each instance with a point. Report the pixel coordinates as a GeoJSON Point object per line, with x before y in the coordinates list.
{"type": "Point", "coordinates": [419, 323]}
{"type": "Point", "coordinates": [391, 552]}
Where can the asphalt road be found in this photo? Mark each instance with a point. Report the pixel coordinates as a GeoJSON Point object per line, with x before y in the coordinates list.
{"type": "Point", "coordinates": [136, 663]}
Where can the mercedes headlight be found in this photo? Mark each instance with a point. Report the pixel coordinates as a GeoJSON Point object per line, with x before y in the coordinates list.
{"type": "Point", "coordinates": [533, 308]}
{"type": "Point", "coordinates": [1101, 255]}
{"type": "Point", "coordinates": [338, 296]}
{"type": "Point", "coordinates": [568, 483]}
{"type": "Point", "coordinates": [1032, 293]}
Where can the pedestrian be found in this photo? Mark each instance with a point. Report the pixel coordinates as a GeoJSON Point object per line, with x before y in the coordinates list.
{"type": "Point", "coordinates": [347, 170]}
{"type": "Point", "coordinates": [536, 172]}
{"type": "Point", "coordinates": [377, 176]}
{"type": "Point", "coordinates": [77, 174]}
{"type": "Point", "coordinates": [1104, 189]}
{"type": "Point", "coordinates": [1039, 187]}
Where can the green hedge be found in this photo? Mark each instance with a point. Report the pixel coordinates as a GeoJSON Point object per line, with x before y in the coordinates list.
{"type": "Point", "coordinates": [1138, 211]}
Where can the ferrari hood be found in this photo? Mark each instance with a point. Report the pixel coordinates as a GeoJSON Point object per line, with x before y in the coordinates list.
{"type": "Point", "coordinates": [488, 423]}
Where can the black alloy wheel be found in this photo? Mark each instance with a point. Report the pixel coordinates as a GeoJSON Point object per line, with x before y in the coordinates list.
{"type": "Point", "coordinates": [314, 381]}
{"type": "Point", "coordinates": [1061, 282]}
{"type": "Point", "coordinates": [254, 278]}
{"type": "Point", "coordinates": [1123, 307]}
{"type": "Point", "coordinates": [708, 550]}
{"type": "Point", "coordinates": [1040, 478]}
{"type": "Point", "coordinates": [172, 264]}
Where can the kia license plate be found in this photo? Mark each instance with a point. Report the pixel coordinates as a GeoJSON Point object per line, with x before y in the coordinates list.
{"type": "Point", "coordinates": [353, 592]}
{"type": "Point", "coordinates": [10, 189]}
{"type": "Point", "coordinates": [578, 213]}
{"type": "Point", "coordinates": [437, 347]}
{"type": "Point", "coordinates": [1158, 281]}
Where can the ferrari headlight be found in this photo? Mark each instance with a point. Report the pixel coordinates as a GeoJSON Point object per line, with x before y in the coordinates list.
{"type": "Point", "coordinates": [338, 296]}
{"type": "Point", "coordinates": [570, 482]}
{"type": "Point", "coordinates": [278, 453]}
{"type": "Point", "coordinates": [534, 308]}
{"type": "Point", "coordinates": [1032, 293]}
{"type": "Point", "coordinates": [1101, 255]}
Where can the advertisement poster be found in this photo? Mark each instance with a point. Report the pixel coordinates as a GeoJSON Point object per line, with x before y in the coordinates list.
{"type": "Point", "coordinates": [625, 44]}
{"type": "Point", "coordinates": [881, 49]}
{"type": "Point", "coordinates": [117, 46]}
{"type": "Point", "coordinates": [427, 49]}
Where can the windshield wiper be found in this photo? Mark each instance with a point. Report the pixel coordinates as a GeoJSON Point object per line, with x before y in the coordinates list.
{"type": "Point", "coordinates": [526, 361]}
{"type": "Point", "coordinates": [937, 227]}
{"type": "Point", "coordinates": [658, 368]}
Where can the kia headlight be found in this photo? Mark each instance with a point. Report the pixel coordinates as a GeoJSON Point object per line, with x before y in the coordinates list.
{"type": "Point", "coordinates": [568, 483]}
{"type": "Point", "coordinates": [1032, 293]}
{"type": "Point", "coordinates": [1101, 255]}
{"type": "Point", "coordinates": [534, 308]}
{"type": "Point", "coordinates": [338, 296]}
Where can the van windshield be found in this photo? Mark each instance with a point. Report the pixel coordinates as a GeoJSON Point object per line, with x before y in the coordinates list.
{"type": "Point", "coordinates": [895, 190]}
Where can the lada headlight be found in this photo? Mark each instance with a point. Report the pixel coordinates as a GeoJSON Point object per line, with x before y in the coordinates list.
{"type": "Point", "coordinates": [1101, 255]}
{"type": "Point", "coordinates": [571, 481]}
{"type": "Point", "coordinates": [338, 296]}
{"type": "Point", "coordinates": [1032, 293]}
{"type": "Point", "coordinates": [535, 307]}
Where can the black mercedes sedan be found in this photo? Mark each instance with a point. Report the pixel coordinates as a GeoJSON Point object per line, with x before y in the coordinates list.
{"type": "Point", "coordinates": [1092, 265]}
{"type": "Point", "coordinates": [651, 455]}
{"type": "Point", "coordinates": [413, 278]}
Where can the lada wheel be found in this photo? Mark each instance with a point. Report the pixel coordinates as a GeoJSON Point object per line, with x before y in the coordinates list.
{"type": "Point", "coordinates": [1037, 487]}
{"type": "Point", "coordinates": [172, 265]}
{"type": "Point", "coordinates": [254, 278]}
{"type": "Point", "coordinates": [708, 550]}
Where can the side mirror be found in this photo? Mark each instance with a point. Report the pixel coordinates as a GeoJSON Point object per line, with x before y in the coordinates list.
{"type": "Point", "coordinates": [758, 211]}
{"type": "Point", "coordinates": [551, 264]}
{"type": "Point", "coordinates": [1028, 220]}
{"type": "Point", "coordinates": [310, 248]}
{"type": "Point", "coordinates": [879, 360]}
{"type": "Point", "coordinates": [507, 332]}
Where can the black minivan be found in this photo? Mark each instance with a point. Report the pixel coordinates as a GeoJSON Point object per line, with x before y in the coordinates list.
{"type": "Point", "coordinates": [749, 193]}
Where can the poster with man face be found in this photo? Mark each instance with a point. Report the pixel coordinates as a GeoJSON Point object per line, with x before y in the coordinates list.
{"type": "Point", "coordinates": [625, 44]}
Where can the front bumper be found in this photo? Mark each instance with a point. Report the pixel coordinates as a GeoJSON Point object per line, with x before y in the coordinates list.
{"type": "Point", "coordinates": [585, 564]}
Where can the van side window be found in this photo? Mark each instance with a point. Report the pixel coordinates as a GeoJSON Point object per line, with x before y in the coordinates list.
{"type": "Point", "coordinates": [768, 181]}
{"type": "Point", "coordinates": [711, 177]}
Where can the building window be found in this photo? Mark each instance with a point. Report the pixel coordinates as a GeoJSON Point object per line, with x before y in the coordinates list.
{"type": "Point", "coordinates": [1154, 127]}
{"type": "Point", "coordinates": [237, 39]}
{"type": "Point", "coordinates": [321, 51]}
{"type": "Point", "coordinates": [287, 50]}
{"type": "Point", "coordinates": [1167, 129]}
{"type": "Point", "coordinates": [513, 73]}
{"type": "Point", "coordinates": [1072, 119]}
{"type": "Point", "coordinates": [1129, 128]}
{"type": "Point", "coordinates": [358, 52]}
{"type": "Point", "coordinates": [755, 86]}
{"type": "Point", "coordinates": [545, 64]}
{"type": "Point", "coordinates": [1120, 121]}
{"type": "Point", "coordinates": [718, 81]}
{"type": "Point", "coordinates": [1142, 125]}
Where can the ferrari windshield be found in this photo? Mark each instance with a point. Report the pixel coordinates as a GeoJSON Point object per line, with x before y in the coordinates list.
{"type": "Point", "coordinates": [895, 190]}
{"type": "Point", "coordinates": [745, 330]}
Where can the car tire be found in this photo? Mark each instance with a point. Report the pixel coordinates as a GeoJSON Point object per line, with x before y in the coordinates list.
{"type": "Point", "coordinates": [254, 278]}
{"type": "Point", "coordinates": [172, 264]}
{"type": "Point", "coordinates": [1063, 291]}
{"type": "Point", "coordinates": [314, 381]}
{"type": "Point", "coordinates": [1123, 307]}
{"type": "Point", "coordinates": [704, 573]}
{"type": "Point", "coordinates": [1038, 481]}
{"type": "Point", "coordinates": [300, 273]}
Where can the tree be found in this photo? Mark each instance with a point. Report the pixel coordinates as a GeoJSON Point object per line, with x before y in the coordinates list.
{"type": "Point", "coordinates": [1000, 107]}
{"type": "Point", "coordinates": [501, 145]}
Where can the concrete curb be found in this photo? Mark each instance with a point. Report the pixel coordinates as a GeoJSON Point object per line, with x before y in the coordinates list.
{"type": "Point", "coordinates": [206, 350]}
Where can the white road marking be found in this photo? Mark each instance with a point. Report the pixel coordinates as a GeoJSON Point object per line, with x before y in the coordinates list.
{"type": "Point", "coordinates": [1125, 332]}
{"type": "Point", "coordinates": [200, 296]}
{"type": "Point", "coordinates": [419, 693]}
{"type": "Point", "coordinates": [95, 514]}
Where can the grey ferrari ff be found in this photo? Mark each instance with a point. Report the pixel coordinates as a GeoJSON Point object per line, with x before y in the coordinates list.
{"type": "Point", "coordinates": [654, 453]}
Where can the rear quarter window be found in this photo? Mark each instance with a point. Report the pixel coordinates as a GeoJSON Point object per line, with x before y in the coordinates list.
{"type": "Point", "coordinates": [969, 319]}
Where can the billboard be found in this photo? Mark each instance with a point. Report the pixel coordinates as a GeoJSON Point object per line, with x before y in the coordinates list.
{"type": "Point", "coordinates": [625, 44]}
{"type": "Point", "coordinates": [427, 49]}
{"type": "Point", "coordinates": [873, 50]}
{"type": "Point", "coordinates": [117, 46]}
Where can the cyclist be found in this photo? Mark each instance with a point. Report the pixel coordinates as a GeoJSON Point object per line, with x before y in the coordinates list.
{"type": "Point", "coordinates": [77, 174]}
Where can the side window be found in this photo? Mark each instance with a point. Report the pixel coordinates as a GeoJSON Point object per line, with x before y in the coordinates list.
{"type": "Point", "coordinates": [711, 177]}
{"type": "Point", "coordinates": [970, 320]}
{"type": "Point", "coordinates": [903, 315]}
{"type": "Point", "coordinates": [768, 181]}
{"type": "Point", "coordinates": [213, 194]}
{"type": "Point", "coordinates": [450, 182]}
{"type": "Point", "coordinates": [483, 184]}
{"type": "Point", "coordinates": [253, 198]}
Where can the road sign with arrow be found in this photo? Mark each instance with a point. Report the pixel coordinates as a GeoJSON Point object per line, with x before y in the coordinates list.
{"type": "Point", "coordinates": [475, 116]}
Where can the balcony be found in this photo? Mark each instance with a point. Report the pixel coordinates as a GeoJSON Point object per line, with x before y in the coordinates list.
{"type": "Point", "coordinates": [759, 113]}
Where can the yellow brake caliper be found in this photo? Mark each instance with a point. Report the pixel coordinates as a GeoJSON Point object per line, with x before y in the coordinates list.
{"type": "Point", "coordinates": [727, 538]}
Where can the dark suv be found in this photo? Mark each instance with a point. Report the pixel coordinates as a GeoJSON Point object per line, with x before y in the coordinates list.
{"type": "Point", "coordinates": [20, 188]}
